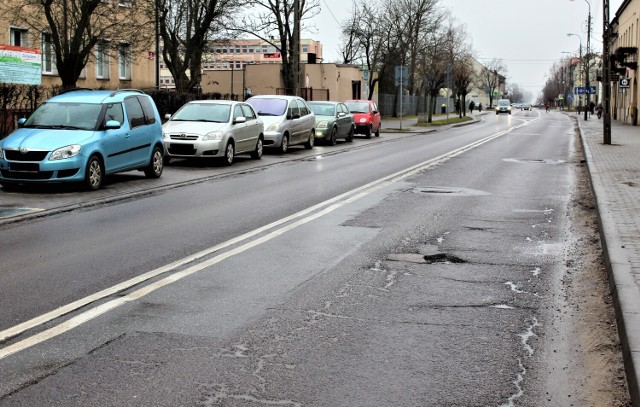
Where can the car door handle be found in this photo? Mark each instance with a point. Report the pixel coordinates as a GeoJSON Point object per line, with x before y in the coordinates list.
{"type": "Point", "coordinates": [127, 135]}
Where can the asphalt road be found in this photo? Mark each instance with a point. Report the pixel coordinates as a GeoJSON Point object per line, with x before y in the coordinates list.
{"type": "Point", "coordinates": [411, 270]}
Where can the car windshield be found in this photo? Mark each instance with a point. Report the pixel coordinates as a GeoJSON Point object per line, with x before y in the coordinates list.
{"type": "Point", "coordinates": [503, 103]}
{"type": "Point", "coordinates": [268, 107]}
{"type": "Point", "coordinates": [203, 112]}
{"type": "Point", "coordinates": [358, 107]}
{"type": "Point", "coordinates": [67, 116]}
{"type": "Point", "coordinates": [323, 109]}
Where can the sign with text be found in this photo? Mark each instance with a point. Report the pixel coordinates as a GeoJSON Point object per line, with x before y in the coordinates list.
{"type": "Point", "coordinates": [401, 75]}
{"type": "Point", "coordinates": [19, 65]}
{"type": "Point", "coordinates": [272, 55]}
{"type": "Point", "coordinates": [624, 83]}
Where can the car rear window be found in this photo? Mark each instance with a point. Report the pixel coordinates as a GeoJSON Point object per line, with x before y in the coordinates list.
{"type": "Point", "coordinates": [268, 106]}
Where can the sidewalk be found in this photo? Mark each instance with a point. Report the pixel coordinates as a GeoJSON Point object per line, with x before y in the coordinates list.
{"type": "Point", "coordinates": [615, 178]}
{"type": "Point", "coordinates": [409, 124]}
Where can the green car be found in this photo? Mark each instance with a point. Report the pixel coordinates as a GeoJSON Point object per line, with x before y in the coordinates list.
{"type": "Point", "coordinates": [333, 121]}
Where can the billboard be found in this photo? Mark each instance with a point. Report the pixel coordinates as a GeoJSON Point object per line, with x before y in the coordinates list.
{"type": "Point", "coordinates": [19, 65]}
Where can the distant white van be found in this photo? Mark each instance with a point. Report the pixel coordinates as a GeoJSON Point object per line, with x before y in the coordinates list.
{"type": "Point", "coordinates": [503, 106]}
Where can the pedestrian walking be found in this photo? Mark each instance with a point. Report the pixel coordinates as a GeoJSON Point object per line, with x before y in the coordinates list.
{"type": "Point", "coordinates": [472, 104]}
{"type": "Point", "coordinates": [546, 106]}
{"type": "Point", "coordinates": [480, 107]}
{"type": "Point", "coordinates": [592, 107]}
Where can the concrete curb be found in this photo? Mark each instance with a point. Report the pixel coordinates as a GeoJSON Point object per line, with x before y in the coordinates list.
{"type": "Point", "coordinates": [625, 292]}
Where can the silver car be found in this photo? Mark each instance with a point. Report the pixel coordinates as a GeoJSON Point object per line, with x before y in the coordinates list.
{"type": "Point", "coordinates": [213, 129]}
{"type": "Point", "coordinates": [288, 120]}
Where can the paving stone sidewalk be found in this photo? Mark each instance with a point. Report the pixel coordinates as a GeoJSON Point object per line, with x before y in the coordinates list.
{"type": "Point", "coordinates": [615, 178]}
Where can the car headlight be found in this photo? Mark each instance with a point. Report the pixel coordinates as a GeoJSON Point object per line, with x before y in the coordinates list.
{"type": "Point", "coordinates": [1, 153]}
{"type": "Point", "coordinates": [214, 135]}
{"type": "Point", "coordinates": [166, 136]}
{"type": "Point", "coordinates": [65, 152]}
{"type": "Point", "coordinates": [363, 120]}
{"type": "Point", "coordinates": [322, 124]}
{"type": "Point", "coordinates": [273, 127]}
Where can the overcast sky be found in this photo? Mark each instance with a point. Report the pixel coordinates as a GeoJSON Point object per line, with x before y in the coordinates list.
{"type": "Point", "coordinates": [528, 35]}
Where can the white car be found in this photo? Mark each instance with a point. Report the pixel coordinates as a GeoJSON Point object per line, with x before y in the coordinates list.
{"type": "Point", "coordinates": [503, 106]}
{"type": "Point", "coordinates": [213, 129]}
{"type": "Point", "coordinates": [288, 120]}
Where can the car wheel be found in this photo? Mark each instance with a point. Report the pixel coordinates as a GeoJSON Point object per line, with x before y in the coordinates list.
{"type": "Point", "coordinates": [333, 137]}
{"type": "Point", "coordinates": [312, 139]}
{"type": "Point", "coordinates": [257, 153]}
{"type": "Point", "coordinates": [94, 173]}
{"type": "Point", "coordinates": [367, 133]}
{"type": "Point", "coordinates": [284, 146]}
{"type": "Point", "coordinates": [156, 165]}
{"type": "Point", "coordinates": [350, 135]}
{"type": "Point", "coordinates": [378, 130]}
{"type": "Point", "coordinates": [229, 153]}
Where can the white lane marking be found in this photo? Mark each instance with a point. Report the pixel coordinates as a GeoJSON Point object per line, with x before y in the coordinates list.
{"type": "Point", "coordinates": [329, 206]}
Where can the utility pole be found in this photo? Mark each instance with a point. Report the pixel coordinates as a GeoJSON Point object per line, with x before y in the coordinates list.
{"type": "Point", "coordinates": [296, 48]}
{"type": "Point", "coordinates": [586, 57]}
{"type": "Point", "coordinates": [606, 71]}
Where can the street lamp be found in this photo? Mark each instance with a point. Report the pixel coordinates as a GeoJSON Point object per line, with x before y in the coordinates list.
{"type": "Point", "coordinates": [580, 38]}
{"type": "Point", "coordinates": [587, 58]}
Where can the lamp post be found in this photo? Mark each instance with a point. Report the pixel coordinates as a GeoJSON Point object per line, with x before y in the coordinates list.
{"type": "Point", "coordinates": [569, 35]}
{"type": "Point", "coordinates": [606, 37]}
{"type": "Point", "coordinates": [586, 62]}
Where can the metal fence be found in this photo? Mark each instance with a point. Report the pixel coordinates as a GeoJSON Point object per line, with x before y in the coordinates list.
{"type": "Point", "coordinates": [412, 105]}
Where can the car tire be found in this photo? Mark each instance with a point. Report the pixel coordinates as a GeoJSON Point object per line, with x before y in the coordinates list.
{"type": "Point", "coordinates": [94, 173]}
{"type": "Point", "coordinates": [284, 145]}
{"type": "Point", "coordinates": [311, 141]}
{"type": "Point", "coordinates": [229, 153]}
{"type": "Point", "coordinates": [257, 153]}
{"type": "Point", "coordinates": [156, 164]}
{"type": "Point", "coordinates": [350, 135]}
{"type": "Point", "coordinates": [367, 132]}
{"type": "Point", "coordinates": [378, 130]}
{"type": "Point", "coordinates": [333, 137]}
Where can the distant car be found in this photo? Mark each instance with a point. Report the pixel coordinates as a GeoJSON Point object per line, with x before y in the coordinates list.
{"type": "Point", "coordinates": [288, 121]}
{"type": "Point", "coordinates": [503, 106]}
{"type": "Point", "coordinates": [333, 121]}
{"type": "Point", "coordinates": [366, 116]}
{"type": "Point", "coordinates": [82, 136]}
{"type": "Point", "coordinates": [214, 129]}
{"type": "Point", "coordinates": [525, 106]}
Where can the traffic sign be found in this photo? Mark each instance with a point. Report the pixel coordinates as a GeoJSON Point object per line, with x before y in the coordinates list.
{"type": "Point", "coordinates": [623, 83]}
{"type": "Point", "coordinates": [579, 90]}
{"type": "Point", "coordinates": [401, 75]}
{"type": "Point", "coordinates": [592, 90]}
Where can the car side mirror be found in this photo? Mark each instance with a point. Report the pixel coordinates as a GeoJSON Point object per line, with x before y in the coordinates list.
{"type": "Point", "coordinates": [112, 125]}
{"type": "Point", "coordinates": [375, 112]}
{"type": "Point", "coordinates": [341, 114]}
{"type": "Point", "coordinates": [167, 116]}
{"type": "Point", "coordinates": [240, 119]}
{"type": "Point", "coordinates": [21, 121]}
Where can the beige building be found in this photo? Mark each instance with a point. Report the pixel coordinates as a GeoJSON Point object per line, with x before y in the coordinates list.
{"type": "Point", "coordinates": [112, 66]}
{"type": "Point", "coordinates": [319, 81]}
{"type": "Point", "coordinates": [624, 50]}
{"type": "Point", "coordinates": [235, 54]}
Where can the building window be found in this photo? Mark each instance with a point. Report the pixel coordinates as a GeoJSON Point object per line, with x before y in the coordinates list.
{"type": "Point", "coordinates": [272, 49]}
{"type": "Point", "coordinates": [251, 49]}
{"type": "Point", "coordinates": [265, 49]}
{"type": "Point", "coordinates": [47, 54]}
{"type": "Point", "coordinates": [224, 50]}
{"type": "Point", "coordinates": [244, 49]}
{"type": "Point", "coordinates": [237, 49]}
{"type": "Point", "coordinates": [124, 62]}
{"type": "Point", "coordinates": [102, 60]}
{"type": "Point", "coordinates": [124, 3]}
{"type": "Point", "coordinates": [238, 64]}
{"type": "Point", "coordinates": [19, 37]}
{"type": "Point", "coordinates": [305, 49]}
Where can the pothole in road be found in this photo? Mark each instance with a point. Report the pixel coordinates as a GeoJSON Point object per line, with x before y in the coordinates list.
{"type": "Point", "coordinates": [451, 191]}
{"type": "Point", "coordinates": [533, 161]}
{"type": "Point", "coordinates": [425, 259]}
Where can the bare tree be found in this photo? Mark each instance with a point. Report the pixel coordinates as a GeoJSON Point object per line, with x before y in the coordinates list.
{"type": "Point", "coordinates": [279, 17]}
{"type": "Point", "coordinates": [74, 27]}
{"type": "Point", "coordinates": [489, 77]}
{"type": "Point", "coordinates": [433, 71]}
{"type": "Point", "coordinates": [186, 27]}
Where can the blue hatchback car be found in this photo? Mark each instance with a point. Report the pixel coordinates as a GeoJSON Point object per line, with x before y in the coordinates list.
{"type": "Point", "coordinates": [83, 135]}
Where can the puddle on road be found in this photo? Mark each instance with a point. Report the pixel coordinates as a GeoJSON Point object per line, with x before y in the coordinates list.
{"type": "Point", "coordinates": [533, 161]}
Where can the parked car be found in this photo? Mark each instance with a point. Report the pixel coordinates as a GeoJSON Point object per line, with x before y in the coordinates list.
{"type": "Point", "coordinates": [333, 121]}
{"type": "Point", "coordinates": [366, 116]}
{"type": "Point", "coordinates": [503, 106]}
{"type": "Point", "coordinates": [213, 129]}
{"type": "Point", "coordinates": [82, 136]}
{"type": "Point", "coordinates": [288, 121]}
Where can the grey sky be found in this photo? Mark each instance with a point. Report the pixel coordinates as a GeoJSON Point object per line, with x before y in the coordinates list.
{"type": "Point", "coordinates": [528, 35]}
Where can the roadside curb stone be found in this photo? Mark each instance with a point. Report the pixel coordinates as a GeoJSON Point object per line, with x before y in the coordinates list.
{"type": "Point", "coordinates": [614, 171]}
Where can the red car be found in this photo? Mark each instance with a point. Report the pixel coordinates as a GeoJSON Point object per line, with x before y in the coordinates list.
{"type": "Point", "coordinates": [366, 116]}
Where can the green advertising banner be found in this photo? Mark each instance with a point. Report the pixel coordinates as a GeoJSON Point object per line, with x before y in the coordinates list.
{"type": "Point", "coordinates": [18, 65]}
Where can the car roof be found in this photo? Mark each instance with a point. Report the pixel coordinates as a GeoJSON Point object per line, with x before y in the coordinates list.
{"type": "Point", "coordinates": [216, 101]}
{"type": "Point", "coordinates": [358, 100]}
{"type": "Point", "coordinates": [286, 97]}
{"type": "Point", "coordinates": [94, 96]}
{"type": "Point", "coordinates": [323, 102]}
